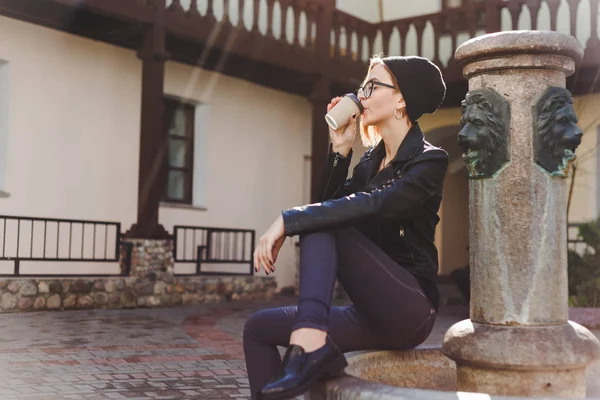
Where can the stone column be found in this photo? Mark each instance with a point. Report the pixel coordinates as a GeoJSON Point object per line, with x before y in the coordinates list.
{"type": "Point", "coordinates": [519, 134]}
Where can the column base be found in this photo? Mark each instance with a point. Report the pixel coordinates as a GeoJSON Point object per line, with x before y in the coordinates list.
{"type": "Point", "coordinates": [521, 360]}
{"type": "Point", "coordinates": [147, 231]}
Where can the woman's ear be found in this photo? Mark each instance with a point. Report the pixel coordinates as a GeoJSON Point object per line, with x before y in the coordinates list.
{"type": "Point", "coordinates": [401, 105]}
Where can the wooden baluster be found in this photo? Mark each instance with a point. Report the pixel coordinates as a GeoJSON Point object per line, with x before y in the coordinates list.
{"type": "Point", "coordinates": [453, 30]}
{"type": "Point", "coordinates": [297, 11]}
{"type": "Point", "coordinates": [371, 35]}
{"type": "Point", "coordinates": [436, 23]}
{"type": "Point", "coordinates": [349, 31]}
{"type": "Point", "coordinates": [311, 12]}
{"type": "Point", "coordinates": [270, 5]}
{"type": "Point", "coordinates": [386, 32]}
{"type": "Point", "coordinates": [420, 27]}
{"type": "Point", "coordinates": [403, 30]}
{"type": "Point", "coordinates": [255, 16]}
{"type": "Point", "coordinates": [176, 7]}
{"type": "Point", "coordinates": [553, 5]}
{"type": "Point", "coordinates": [210, 13]}
{"type": "Point", "coordinates": [573, 6]}
{"type": "Point", "coordinates": [469, 10]}
{"type": "Point", "coordinates": [283, 6]}
{"type": "Point", "coordinates": [336, 36]}
{"type": "Point", "coordinates": [241, 14]}
{"type": "Point", "coordinates": [593, 43]}
{"type": "Point", "coordinates": [515, 12]}
{"type": "Point", "coordinates": [360, 34]}
{"type": "Point", "coordinates": [193, 11]}
{"type": "Point", "coordinates": [534, 9]}
{"type": "Point", "coordinates": [226, 12]}
{"type": "Point", "coordinates": [492, 16]}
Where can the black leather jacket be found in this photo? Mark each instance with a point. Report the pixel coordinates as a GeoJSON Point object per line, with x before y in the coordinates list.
{"type": "Point", "coordinates": [396, 208]}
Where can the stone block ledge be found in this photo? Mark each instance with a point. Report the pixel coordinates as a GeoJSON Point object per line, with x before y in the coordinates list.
{"type": "Point", "coordinates": [36, 294]}
{"type": "Point", "coordinates": [420, 373]}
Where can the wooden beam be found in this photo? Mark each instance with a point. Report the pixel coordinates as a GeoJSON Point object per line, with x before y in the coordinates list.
{"type": "Point", "coordinates": [153, 144]}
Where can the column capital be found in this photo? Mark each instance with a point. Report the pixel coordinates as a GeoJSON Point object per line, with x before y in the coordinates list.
{"type": "Point", "coordinates": [519, 50]}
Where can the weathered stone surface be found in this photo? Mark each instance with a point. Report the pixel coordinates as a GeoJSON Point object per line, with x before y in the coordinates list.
{"type": "Point", "coordinates": [128, 298]}
{"type": "Point", "coordinates": [144, 288]}
{"type": "Point", "coordinates": [180, 288]}
{"type": "Point", "coordinates": [43, 287]}
{"type": "Point", "coordinates": [175, 299]}
{"type": "Point", "coordinates": [55, 287]}
{"type": "Point", "coordinates": [53, 302]}
{"type": "Point", "coordinates": [13, 287]}
{"type": "Point", "coordinates": [8, 301]}
{"type": "Point", "coordinates": [153, 301]}
{"type": "Point", "coordinates": [65, 287]}
{"type": "Point", "coordinates": [25, 303]}
{"type": "Point", "coordinates": [3, 284]}
{"type": "Point", "coordinates": [28, 289]}
{"type": "Point", "coordinates": [100, 298]}
{"type": "Point", "coordinates": [566, 383]}
{"type": "Point", "coordinates": [160, 288]}
{"type": "Point", "coordinates": [521, 347]}
{"type": "Point", "coordinates": [81, 286]}
{"type": "Point", "coordinates": [114, 300]}
{"type": "Point", "coordinates": [70, 301]}
{"type": "Point", "coordinates": [110, 287]}
{"type": "Point", "coordinates": [519, 342]}
{"type": "Point", "coordinates": [99, 285]}
{"type": "Point", "coordinates": [39, 303]}
{"type": "Point", "coordinates": [85, 301]}
{"type": "Point", "coordinates": [497, 46]}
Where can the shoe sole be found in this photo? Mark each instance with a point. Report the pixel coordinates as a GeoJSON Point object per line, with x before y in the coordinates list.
{"type": "Point", "coordinates": [335, 367]}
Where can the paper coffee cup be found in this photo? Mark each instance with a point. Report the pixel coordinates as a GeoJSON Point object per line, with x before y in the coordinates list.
{"type": "Point", "coordinates": [340, 115]}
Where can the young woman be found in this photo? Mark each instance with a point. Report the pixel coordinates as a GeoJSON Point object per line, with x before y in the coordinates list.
{"type": "Point", "coordinates": [373, 232]}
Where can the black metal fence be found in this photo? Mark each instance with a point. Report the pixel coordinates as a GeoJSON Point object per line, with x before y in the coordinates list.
{"type": "Point", "coordinates": [221, 251]}
{"type": "Point", "coordinates": [52, 239]}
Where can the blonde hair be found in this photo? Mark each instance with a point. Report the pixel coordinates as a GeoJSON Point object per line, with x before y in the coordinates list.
{"type": "Point", "coordinates": [369, 134]}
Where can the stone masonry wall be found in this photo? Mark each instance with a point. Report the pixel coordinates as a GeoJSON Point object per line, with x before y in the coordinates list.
{"type": "Point", "coordinates": [151, 283]}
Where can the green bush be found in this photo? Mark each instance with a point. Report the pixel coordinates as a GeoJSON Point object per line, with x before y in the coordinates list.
{"type": "Point", "coordinates": [584, 269]}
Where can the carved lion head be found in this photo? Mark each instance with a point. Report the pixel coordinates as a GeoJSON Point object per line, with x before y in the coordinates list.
{"type": "Point", "coordinates": [484, 136]}
{"type": "Point", "coordinates": [556, 132]}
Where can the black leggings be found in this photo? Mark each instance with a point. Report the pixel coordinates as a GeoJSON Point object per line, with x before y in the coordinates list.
{"type": "Point", "coordinates": [389, 311]}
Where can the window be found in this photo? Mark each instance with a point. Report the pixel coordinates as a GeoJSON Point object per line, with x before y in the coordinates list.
{"type": "Point", "coordinates": [179, 124]}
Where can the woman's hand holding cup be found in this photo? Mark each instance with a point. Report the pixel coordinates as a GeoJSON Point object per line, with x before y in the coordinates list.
{"type": "Point", "coordinates": [343, 137]}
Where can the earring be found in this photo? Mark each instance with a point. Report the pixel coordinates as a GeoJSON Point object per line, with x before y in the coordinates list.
{"type": "Point", "coordinates": [396, 114]}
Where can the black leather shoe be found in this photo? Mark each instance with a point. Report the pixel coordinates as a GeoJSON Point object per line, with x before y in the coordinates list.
{"type": "Point", "coordinates": [300, 370]}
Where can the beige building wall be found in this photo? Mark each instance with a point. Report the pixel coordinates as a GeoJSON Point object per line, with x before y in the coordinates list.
{"type": "Point", "coordinates": [251, 144]}
{"type": "Point", "coordinates": [72, 123]}
{"type": "Point", "coordinates": [71, 129]}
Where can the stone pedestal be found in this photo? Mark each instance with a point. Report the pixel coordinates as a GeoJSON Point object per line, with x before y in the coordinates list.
{"type": "Point", "coordinates": [519, 133]}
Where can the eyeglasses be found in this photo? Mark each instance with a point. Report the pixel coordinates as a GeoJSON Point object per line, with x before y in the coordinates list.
{"type": "Point", "coordinates": [367, 90]}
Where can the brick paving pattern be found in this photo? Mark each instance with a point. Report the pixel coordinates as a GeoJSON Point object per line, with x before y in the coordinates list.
{"type": "Point", "coordinates": [177, 353]}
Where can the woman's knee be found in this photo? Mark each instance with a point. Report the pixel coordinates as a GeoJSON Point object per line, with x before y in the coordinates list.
{"type": "Point", "coordinates": [253, 324]}
{"type": "Point", "coordinates": [267, 322]}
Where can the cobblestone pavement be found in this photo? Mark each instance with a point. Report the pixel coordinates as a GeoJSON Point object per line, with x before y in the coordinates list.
{"type": "Point", "coordinates": [177, 353]}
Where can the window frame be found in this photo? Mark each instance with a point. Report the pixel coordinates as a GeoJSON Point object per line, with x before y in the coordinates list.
{"type": "Point", "coordinates": [170, 106]}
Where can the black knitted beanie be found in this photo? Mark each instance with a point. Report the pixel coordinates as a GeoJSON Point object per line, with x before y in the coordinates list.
{"type": "Point", "coordinates": [420, 82]}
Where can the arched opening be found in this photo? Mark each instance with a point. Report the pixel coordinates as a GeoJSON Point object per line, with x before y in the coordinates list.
{"type": "Point", "coordinates": [454, 219]}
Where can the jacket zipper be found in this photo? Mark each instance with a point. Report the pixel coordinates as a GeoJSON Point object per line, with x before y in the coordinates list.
{"type": "Point", "coordinates": [335, 162]}
{"type": "Point", "coordinates": [403, 235]}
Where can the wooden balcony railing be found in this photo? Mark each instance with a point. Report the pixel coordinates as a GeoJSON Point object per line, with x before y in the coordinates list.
{"type": "Point", "coordinates": [302, 36]}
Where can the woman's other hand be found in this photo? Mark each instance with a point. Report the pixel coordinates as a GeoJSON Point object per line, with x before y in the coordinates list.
{"type": "Point", "coordinates": [342, 138]}
{"type": "Point", "coordinates": [268, 246]}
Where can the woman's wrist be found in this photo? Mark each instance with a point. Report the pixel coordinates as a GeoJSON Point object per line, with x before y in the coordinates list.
{"type": "Point", "coordinates": [344, 151]}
